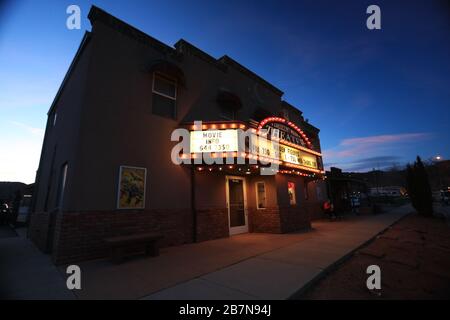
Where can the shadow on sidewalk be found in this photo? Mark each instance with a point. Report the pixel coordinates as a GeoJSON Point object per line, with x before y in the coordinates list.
{"type": "Point", "coordinates": [7, 232]}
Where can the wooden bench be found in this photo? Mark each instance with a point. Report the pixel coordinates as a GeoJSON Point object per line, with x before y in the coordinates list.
{"type": "Point", "coordinates": [118, 245]}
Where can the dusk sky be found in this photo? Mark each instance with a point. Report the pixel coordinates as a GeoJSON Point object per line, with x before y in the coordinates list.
{"type": "Point", "coordinates": [379, 96]}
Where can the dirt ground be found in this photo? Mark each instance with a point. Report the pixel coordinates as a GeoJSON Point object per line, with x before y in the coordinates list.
{"type": "Point", "coordinates": [414, 258]}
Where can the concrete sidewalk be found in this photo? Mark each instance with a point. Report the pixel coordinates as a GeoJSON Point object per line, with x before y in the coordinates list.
{"type": "Point", "coordinates": [287, 271]}
{"type": "Point", "coordinates": [25, 272]}
{"type": "Point", "coordinates": [246, 266]}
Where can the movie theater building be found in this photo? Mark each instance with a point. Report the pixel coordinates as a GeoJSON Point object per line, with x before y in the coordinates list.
{"type": "Point", "coordinates": [107, 166]}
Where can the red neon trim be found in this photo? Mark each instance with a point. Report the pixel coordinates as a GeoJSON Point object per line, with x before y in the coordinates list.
{"type": "Point", "coordinates": [289, 123]}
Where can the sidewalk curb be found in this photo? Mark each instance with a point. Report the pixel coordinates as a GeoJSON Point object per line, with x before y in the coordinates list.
{"type": "Point", "coordinates": [332, 267]}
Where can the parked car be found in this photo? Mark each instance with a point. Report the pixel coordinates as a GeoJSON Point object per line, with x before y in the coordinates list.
{"type": "Point", "coordinates": [24, 209]}
{"type": "Point", "coordinates": [445, 196]}
{"type": "Point", "coordinates": [4, 213]}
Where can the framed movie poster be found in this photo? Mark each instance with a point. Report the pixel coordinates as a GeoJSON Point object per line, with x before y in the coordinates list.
{"type": "Point", "coordinates": [131, 194]}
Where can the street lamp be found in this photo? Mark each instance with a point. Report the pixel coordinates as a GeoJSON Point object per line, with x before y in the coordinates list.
{"type": "Point", "coordinates": [436, 159]}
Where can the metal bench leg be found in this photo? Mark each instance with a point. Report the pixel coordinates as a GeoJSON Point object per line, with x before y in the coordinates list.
{"type": "Point", "coordinates": [117, 254]}
{"type": "Point", "coordinates": [152, 249]}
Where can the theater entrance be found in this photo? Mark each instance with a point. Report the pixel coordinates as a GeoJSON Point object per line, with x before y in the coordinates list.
{"type": "Point", "coordinates": [237, 204]}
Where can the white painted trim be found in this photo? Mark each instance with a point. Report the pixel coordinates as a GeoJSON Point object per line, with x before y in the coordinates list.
{"type": "Point", "coordinates": [257, 196]}
{"type": "Point", "coordinates": [62, 185]}
{"type": "Point", "coordinates": [244, 228]}
{"type": "Point", "coordinates": [168, 80]}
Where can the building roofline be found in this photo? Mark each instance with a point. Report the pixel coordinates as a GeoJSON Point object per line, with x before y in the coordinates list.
{"type": "Point", "coordinates": [231, 62]}
{"type": "Point", "coordinates": [84, 42]}
{"type": "Point", "coordinates": [306, 124]}
{"type": "Point", "coordinates": [311, 127]}
{"type": "Point", "coordinates": [286, 104]}
{"type": "Point", "coordinates": [181, 46]}
{"type": "Point", "coordinates": [184, 46]}
{"type": "Point", "coordinates": [97, 14]}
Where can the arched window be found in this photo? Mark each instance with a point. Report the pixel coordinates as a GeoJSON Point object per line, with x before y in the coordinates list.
{"type": "Point", "coordinates": [229, 104]}
{"type": "Point", "coordinates": [164, 96]}
{"type": "Point", "coordinates": [166, 78]}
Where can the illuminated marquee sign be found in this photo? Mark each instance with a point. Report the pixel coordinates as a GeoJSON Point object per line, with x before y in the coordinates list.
{"type": "Point", "coordinates": [295, 156]}
{"type": "Point", "coordinates": [290, 145]}
{"type": "Point", "coordinates": [284, 130]}
{"type": "Point", "coordinates": [289, 132]}
{"type": "Point", "coordinates": [275, 150]}
{"type": "Point", "coordinates": [214, 141]}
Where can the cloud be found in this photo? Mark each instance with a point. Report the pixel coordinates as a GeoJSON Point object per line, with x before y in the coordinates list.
{"type": "Point", "coordinates": [353, 147]}
{"type": "Point", "coordinates": [379, 158]}
{"type": "Point", "coordinates": [380, 162]}
{"type": "Point", "coordinates": [384, 139]}
{"type": "Point", "coordinates": [372, 151]}
{"type": "Point", "coordinates": [33, 130]}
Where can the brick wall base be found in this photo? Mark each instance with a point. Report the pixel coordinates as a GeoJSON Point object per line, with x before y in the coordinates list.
{"type": "Point", "coordinates": [282, 219]}
{"type": "Point", "coordinates": [264, 220]}
{"type": "Point", "coordinates": [316, 210]}
{"type": "Point", "coordinates": [294, 219]}
{"type": "Point", "coordinates": [38, 229]}
{"type": "Point", "coordinates": [212, 224]}
{"type": "Point", "coordinates": [79, 235]}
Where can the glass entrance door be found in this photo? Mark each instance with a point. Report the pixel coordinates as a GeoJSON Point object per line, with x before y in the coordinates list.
{"type": "Point", "coordinates": [236, 202]}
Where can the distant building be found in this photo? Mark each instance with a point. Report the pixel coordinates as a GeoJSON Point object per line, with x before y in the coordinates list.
{"type": "Point", "coordinates": [342, 186]}
{"type": "Point", "coordinates": [391, 191]}
{"type": "Point", "coordinates": [106, 167]}
{"type": "Point", "coordinates": [439, 174]}
{"type": "Point", "coordinates": [24, 207]}
{"type": "Point", "coordinates": [8, 190]}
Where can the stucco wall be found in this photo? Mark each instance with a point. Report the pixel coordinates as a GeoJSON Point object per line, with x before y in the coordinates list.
{"type": "Point", "coordinates": [105, 120]}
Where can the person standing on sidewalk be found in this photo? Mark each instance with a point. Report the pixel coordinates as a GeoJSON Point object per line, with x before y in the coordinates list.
{"type": "Point", "coordinates": [355, 203]}
{"type": "Point", "coordinates": [328, 209]}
